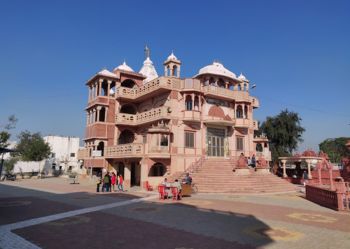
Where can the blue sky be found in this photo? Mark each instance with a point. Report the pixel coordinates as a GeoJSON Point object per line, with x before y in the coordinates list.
{"type": "Point", "coordinates": [296, 52]}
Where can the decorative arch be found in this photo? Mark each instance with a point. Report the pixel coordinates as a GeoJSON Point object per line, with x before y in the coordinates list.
{"type": "Point", "coordinates": [216, 111]}
{"type": "Point", "coordinates": [128, 83]}
{"type": "Point", "coordinates": [126, 137]}
{"type": "Point", "coordinates": [157, 169]}
{"type": "Point", "coordinates": [104, 88]}
{"type": "Point", "coordinates": [188, 103]}
{"type": "Point", "coordinates": [102, 115]}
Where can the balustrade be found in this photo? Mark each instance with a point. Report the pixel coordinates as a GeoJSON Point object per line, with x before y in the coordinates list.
{"type": "Point", "coordinates": [144, 117]}
{"type": "Point", "coordinates": [124, 150]}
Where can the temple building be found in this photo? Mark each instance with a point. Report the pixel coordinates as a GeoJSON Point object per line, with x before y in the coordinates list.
{"type": "Point", "coordinates": [148, 126]}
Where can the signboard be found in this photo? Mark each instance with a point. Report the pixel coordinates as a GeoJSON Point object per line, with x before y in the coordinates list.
{"type": "Point", "coordinates": [96, 153]}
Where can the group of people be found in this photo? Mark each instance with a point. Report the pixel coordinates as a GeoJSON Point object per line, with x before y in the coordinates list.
{"type": "Point", "coordinates": [250, 161]}
{"type": "Point", "coordinates": [109, 182]}
{"type": "Point", "coordinates": [176, 184]}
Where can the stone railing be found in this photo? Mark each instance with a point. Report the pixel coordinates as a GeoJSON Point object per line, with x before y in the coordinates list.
{"type": "Point", "coordinates": [124, 150]}
{"type": "Point", "coordinates": [337, 199]}
{"type": "Point", "coordinates": [192, 115]}
{"type": "Point", "coordinates": [191, 84]}
{"type": "Point", "coordinates": [143, 117]}
{"type": "Point", "coordinates": [230, 94]}
{"type": "Point", "coordinates": [161, 82]}
{"type": "Point", "coordinates": [242, 122]}
{"type": "Point", "coordinates": [83, 153]}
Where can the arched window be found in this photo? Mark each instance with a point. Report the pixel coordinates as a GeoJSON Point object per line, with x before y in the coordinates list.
{"type": "Point", "coordinates": [104, 88]}
{"type": "Point", "coordinates": [128, 83]}
{"type": "Point", "coordinates": [101, 147]}
{"type": "Point", "coordinates": [102, 114]}
{"type": "Point", "coordinates": [164, 141]}
{"type": "Point", "coordinates": [196, 103]}
{"type": "Point", "coordinates": [239, 87]}
{"type": "Point", "coordinates": [174, 71]}
{"type": "Point", "coordinates": [188, 103]}
{"type": "Point", "coordinates": [211, 81]}
{"type": "Point", "coordinates": [239, 112]}
{"type": "Point", "coordinates": [130, 109]}
{"type": "Point", "coordinates": [126, 137]}
{"type": "Point", "coordinates": [259, 147]}
{"type": "Point", "coordinates": [158, 169]}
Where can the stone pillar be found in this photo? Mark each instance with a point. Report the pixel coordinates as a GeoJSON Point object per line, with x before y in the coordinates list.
{"type": "Point", "coordinates": [178, 72]}
{"type": "Point", "coordinates": [87, 117]}
{"type": "Point", "coordinates": [165, 71]}
{"type": "Point", "coordinates": [308, 162]}
{"type": "Point", "coordinates": [199, 103]}
{"type": "Point", "coordinates": [99, 87]}
{"type": "Point", "coordinates": [106, 111]}
{"type": "Point", "coordinates": [98, 113]}
{"type": "Point", "coordinates": [144, 172]}
{"type": "Point", "coordinates": [89, 93]}
{"type": "Point", "coordinates": [284, 168]}
{"type": "Point", "coordinates": [109, 87]}
{"type": "Point", "coordinates": [127, 175]}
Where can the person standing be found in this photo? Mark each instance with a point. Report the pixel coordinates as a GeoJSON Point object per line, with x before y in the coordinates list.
{"type": "Point", "coordinates": [107, 182]}
{"type": "Point", "coordinates": [253, 161]}
{"type": "Point", "coordinates": [113, 181]}
{"type": "Point", "coordinates": [120, 183]}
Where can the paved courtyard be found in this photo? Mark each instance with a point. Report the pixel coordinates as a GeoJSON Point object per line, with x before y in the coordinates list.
{"type": "Point", "coordinates": [52, 213]}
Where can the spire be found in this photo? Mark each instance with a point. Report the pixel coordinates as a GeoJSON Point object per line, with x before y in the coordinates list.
{"type": "Point", "coordinates": [147, 52]}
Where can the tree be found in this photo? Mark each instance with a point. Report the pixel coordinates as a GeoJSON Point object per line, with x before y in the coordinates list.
{"type": "Point", "coordinates": [335, 148]}
{"type": "Point", "coordinates": [284, 132]}
{"type": "Point", "coordinates": [5, 134]}
{"type": "Point", "coordinates": [32, 147]}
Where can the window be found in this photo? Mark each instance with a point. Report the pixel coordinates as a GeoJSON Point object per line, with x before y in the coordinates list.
{"type": "Point", "coordinates": [189, 139]}
{"type": "Point", "coordinates": [164, 140]}
{"type": "Point", "coordinates": [188, 103]}
{"type": "Point", "coordinates": [72, 154]}
{"type": "Point", "coordinates": [239, 143]}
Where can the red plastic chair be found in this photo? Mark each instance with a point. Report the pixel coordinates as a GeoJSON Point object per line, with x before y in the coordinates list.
{"type": "Point", "coordinates": [147, 186]}
{"type": "Point", "coordinates": [176, 194]}
{"type": "Point", "coordinates": [162, 193]}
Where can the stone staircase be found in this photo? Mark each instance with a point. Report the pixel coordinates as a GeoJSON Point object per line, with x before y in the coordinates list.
{"type": "Point", "coordinates": [217, 176]}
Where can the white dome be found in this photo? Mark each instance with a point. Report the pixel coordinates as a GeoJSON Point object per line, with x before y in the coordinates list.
{"type": "Point", "coordinates": [217, 69]}
{"type": "Point", "coordinates": [242, 77]}
{"type": "Point", "coordinates": [105, 72]}
{"type": "Point", "coordinates": [148, 70]}
{"type": "Point", "coordinates": [124, 67]}
{"type": "Point", "coordinates": [171, 57]}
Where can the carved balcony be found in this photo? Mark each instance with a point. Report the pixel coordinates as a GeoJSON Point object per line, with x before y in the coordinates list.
{"type": "Point", "coordinates": [243, 122]}
{"type": "Point", "coordinates": [144, 117]}
{"type": "Point", "coordinates": [133, 150]}
{"type": "Point", "coordinates": [152, 88]}
{"type": "Point", "coordinates": [194, 116]}
{"type": "Point", "coordinates": [226, 94]}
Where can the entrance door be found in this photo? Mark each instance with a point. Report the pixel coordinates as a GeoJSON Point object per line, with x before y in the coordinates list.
{"type": "Point", "coordinates": [135, 174]}
{"type": "Point", "coordinates": [216, 142]}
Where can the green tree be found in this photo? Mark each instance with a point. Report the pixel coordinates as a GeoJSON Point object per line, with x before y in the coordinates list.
{"type": "Point", "coordinates": [284, 132]}
{"type": "Point", "coordinates": [32, 147]}
{"type": "Point", "coordinates": [5, 132]}
{"type": "Point", "coordinates": [335, 148]}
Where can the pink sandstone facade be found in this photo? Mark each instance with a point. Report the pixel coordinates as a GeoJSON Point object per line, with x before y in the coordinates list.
{"type": "Point", "coordinates": [148, 127]}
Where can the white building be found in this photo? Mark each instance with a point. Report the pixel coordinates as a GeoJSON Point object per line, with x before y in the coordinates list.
{"type": "Point", "coordinates": [64, 152]}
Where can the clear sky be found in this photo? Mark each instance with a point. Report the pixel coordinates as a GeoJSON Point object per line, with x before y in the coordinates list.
{"type": "Point", "coordinates": [296, 52]}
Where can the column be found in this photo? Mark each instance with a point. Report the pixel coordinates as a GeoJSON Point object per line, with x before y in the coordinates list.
{"type": "Point", "coordinates": [106, 112]}
{"type": "Point", "coordinates": [309, 169]}
{"type": "Point", "coordinates": [100, 87]}
{"type": "Point", "coordinates": [89, 93]}
{"type": "Point", "coordinates": [178, 72]}
{"type": "Point", "coordinates": [284, 168]}
{"type": "Point", "coordinates": [200, 103]}
{"type": "Point", "coordinates": [165, 71]}
{"type": "Point", "coordinates": [109, 87]}
{"type": "Point", "coordinates": [144, 172]}
{"type": "Point", "coordinates": [94, 115]}
{"type": "Point", "coordinates": [98, 113]}
{"type": "Point", "coordinates": [127, 175]}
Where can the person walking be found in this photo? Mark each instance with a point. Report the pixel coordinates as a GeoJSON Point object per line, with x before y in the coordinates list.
{"type": "Point", "coordinates": [113, 181]}
{"type": "Point", "coordinates": [120, 183]}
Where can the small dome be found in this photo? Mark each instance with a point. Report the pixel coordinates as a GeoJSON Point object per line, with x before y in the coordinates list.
{"type": "Point", "coordinates": [242, 77]}
{"type": "Point", "coordinates": [148, 70]}
{"type": "Point", "coordinates": [172, 57]}
{"type": "Point", "coordinates": [217, 69]}
{"type": "Point", "coordinates": [124, 67]}
{"type": "Point", "coordinates": [107, 73]}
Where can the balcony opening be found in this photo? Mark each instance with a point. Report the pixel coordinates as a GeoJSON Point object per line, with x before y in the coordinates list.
{"type": "Point", "coordinates": [130, 109]}
{"type": "Point", "coordinates": [102, 115]}
{"type": "Point", "coordinates": [259, 147]}
{"type": "Point", "coordinates": [246, 112]}
{"type": "Point", "coordinates": [164, 141]}
{"type": "Point", "coordinates": [101, 147]}
{"type": "Point", "coordinates": [168, 72]}
{"type": "Point", "coordinates": [196, 103]}
{"type": "Point", "coordinates": [188, 103]}
{"type": "Point", "coordinates": [175, 71]}
{"type": "Point", "coordinates": [112, 89]}
{"type": "Point", "coordinates": [126, 137]}
{"type": "Point", "coordinates": [158, 169]}
{"type": "Point", "coordinates": [239, 112]}
{"type": "Point", "coordinates": [212, 81]}
{"type": "Point", "coordinates": [221, 83]}
{"type": "Point", "coordinates": [104, 88]}
{"type": "Point", "coordinates": [128, 83]}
